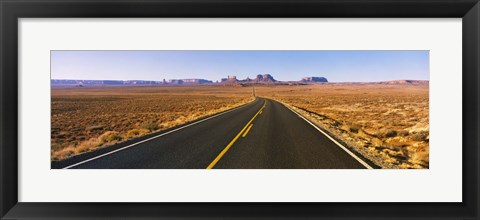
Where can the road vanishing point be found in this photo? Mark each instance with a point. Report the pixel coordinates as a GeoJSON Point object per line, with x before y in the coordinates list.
{"type": "Point", "coordinates": [263, 134]}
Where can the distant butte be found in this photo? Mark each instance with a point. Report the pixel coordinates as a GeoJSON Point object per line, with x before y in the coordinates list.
{"type": "Point", "coordinates": [314, 79]}
{"type": "Point", "coordinates": [260, 79]}
{"type": "Point", "coordinates": [267, 78]}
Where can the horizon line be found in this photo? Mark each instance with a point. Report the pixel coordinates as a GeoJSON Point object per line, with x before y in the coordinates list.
{"type": "Point", "coordinates": [213, 81]}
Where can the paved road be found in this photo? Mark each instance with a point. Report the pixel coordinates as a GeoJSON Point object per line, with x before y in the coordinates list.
{"type": "Point", "coordinates": [263, 134]}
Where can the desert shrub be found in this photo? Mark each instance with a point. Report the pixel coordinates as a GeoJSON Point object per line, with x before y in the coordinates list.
{"type": "Point", "coordinates": [420, 136]}
{"type": "Point", "coordinates": [354, 128]}
{"type": "Point", "coordinates": [335, 123]}
{"type": "Point", "coordinates": [62, 153]}
{"type": "Point", "coordinates": [110, 136]}
{"type": "Point", "coordinates": [95, 128]}
{"type": "Point", "coordinates": [151, 126]}
{"type": "Point", "coordinates": [403, 133]}
{"type": "Point", "coordinates": [56, 146]}
{"type": "Point", "coordinates": [390, 133]}
{"type": "Point", "coordinates": [85, 146]}
{"type": "Point", "coordinates": [421, 158]}
{"type": "Point", "coordinates": [136, 132]}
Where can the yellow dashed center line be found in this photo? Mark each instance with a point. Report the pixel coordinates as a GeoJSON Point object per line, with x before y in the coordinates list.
{"type": "Point", "coordinates": [248, 129]}
{"type": "Point", "coordinates": [215, 161]}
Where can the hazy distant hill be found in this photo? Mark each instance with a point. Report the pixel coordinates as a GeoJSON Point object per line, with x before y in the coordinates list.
{"type": "Point", "coordinates": [407, 82]}
{"type": "Point", "coordinates": [103, 82]}
{"type": "Point", "coordinates": [70, 82]}
{"type": "Point", "coordinates": [314, 79]}
{"type": "Point", "coordinates": [265, 79]}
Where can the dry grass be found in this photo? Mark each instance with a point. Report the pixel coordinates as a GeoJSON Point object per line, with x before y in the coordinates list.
{"type": "Point", "coordinates": [88, 118]}
{"type": "Point", "coordinates": [389, 124]}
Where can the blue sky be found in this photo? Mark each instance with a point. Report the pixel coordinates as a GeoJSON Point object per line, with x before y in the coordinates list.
{"type": "Point", "coordinates": [336, 66]}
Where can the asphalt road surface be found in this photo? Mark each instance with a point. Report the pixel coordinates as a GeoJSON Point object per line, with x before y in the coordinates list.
{"type": "Point", "coordinates": [261, 135]}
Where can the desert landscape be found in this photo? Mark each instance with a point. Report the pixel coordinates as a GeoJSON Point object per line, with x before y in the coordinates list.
{"type": "Point", "coordinates": [388, 122]}
{"type": "Point", "coordinates": [280, 109]}
{"type": "Point", "coordinates": [88, 118]}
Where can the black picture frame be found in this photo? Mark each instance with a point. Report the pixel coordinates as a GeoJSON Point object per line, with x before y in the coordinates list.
{"type": "Point", "coordinates": [12, 10]}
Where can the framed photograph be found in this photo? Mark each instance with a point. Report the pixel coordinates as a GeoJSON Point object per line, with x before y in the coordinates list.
{"type": "Point", "coordinates": [227, 109]}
